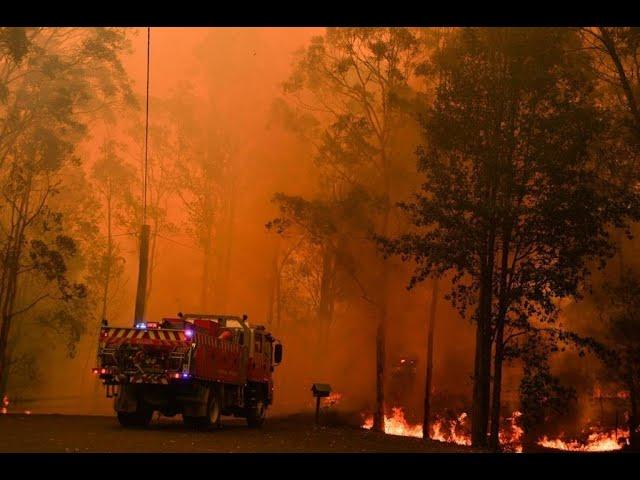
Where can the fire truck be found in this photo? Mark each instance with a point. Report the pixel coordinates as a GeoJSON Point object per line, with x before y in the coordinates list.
{"type": "Point", "coordinates": [201, 366]}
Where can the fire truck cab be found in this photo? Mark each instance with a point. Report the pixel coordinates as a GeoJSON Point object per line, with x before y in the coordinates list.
{"type": "Point", "coordinates": [202, 366]}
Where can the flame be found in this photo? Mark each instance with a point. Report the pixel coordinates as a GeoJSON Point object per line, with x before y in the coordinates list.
{"type": "Point", "coordinates": [596, 442]}
{"type": "Point", "coordinates": [332, 400]}
{"type": "Point", "coordinates": [446, 431]}
{"type": "Point", "coordinates": [396, 424]}
{"type": "Point", "coordinates": [510, 435]}
{"type": "Point", "coordinates": [5, 405]}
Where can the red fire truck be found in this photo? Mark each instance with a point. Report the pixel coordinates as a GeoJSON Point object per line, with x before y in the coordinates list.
{"type": "Point", "coordinates": [200, 366]}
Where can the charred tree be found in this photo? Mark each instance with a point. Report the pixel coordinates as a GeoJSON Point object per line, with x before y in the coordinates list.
{"type": "Point", "coordinates": [426, 419]}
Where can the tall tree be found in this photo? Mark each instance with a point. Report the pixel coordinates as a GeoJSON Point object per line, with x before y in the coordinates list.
{"type": "Point", "coordinates": [351, 78]}
{"type": "Point", "coordinates": [52, 80]}
{"type": "Point", "coordinates": [513, 202]}
{"type": "Point", "coordinates": [433, 305]}
{"type": "Point", "coordinates": [199, 187]}
{"type": "Point", "coordinates": [113, 179]}
{"type": "Point", "coordinates": [324, 229]}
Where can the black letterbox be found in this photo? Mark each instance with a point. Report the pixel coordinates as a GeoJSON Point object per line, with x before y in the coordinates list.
{"type": "Point", "coordinates": [321, 389]}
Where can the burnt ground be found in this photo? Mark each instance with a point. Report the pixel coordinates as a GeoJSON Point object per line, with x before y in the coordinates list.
{"type": "Point", "coordinates": [67, 433]}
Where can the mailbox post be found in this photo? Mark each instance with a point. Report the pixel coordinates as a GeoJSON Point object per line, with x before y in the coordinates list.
{"type": "Point", "coordinates": [319, 391]}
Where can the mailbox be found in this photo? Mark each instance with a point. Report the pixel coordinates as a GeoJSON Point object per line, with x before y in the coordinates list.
{"type": "Point", "coordinates": [321, 389]}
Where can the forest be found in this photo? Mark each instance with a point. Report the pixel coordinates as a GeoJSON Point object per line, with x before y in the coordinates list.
{"type": "Point", "coordinates": [464, 199]}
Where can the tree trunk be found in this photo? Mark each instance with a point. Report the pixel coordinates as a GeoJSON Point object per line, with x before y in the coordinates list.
{"type": "Point", "coordinates": [325, 306]}
{"type": "Point", "coordinates": [633, 422]}
{"type": "Point", "coordinates": [499, 341]}
{"type": "Point", "coordinates": [7, 306]}
{"type": "Point", "coordinates": [497, 387]}
{"type": "Point", "coordinates": [426, 419]}
{"type": "Point", "coordinates": [273, 281]}
{"type": "Point", "coordinates": [378, 416]}
{"type": "Point", "coordinates": [205, 290]}
{"type": "Point", "coordinates": [481, 383]}
{"type": "Point", "coordinates": [482, 367]}
{"type": "Point", "coordinates": [4, 360]}
{"type": "Point", "coordinates": [9, 285]}
{"type": "Point", "coordinates": [107, 275]}
{"type": "Point", "coordinates": [278, 297]}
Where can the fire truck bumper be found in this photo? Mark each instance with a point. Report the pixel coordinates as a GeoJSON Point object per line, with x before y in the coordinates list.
{"type": "Point", "coordinates": [188, 398]}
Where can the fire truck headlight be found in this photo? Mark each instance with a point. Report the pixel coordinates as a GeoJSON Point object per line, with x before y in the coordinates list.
{"type": "Point", "coordinates": [188, 333]}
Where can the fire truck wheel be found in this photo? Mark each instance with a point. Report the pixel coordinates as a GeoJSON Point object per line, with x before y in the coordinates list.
{"type": "Point", "coordinates": [257, 414]}
{"type": "Point", "coordinates": [140, 418]}
{"type": "Point", "coordinates": [213, 418]}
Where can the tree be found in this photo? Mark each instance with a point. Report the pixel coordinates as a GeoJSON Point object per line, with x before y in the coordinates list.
{"type": "Point", "coordinates": [541, 393]}
{"type": "Point", "coordinates": [52, 80]}
{"type": "Point", "coordinates": [160, 185]}
{"type": "Point", "coordinates": [113, 179]}
{"type": "Point", "coordinates": [200, 189]}
{"type": "Point", "coordinates": [426, 419]}
{"type": "Point", "coordinates": [618, 304]}
{"type": "Point", "coordinates": [513, 202]}
{"type": "Point", "coordinates": [352, 80]}
{"type": "Point", "coordinates": [617, 54]}
{"type": "Point", "coordinates": [323, 231]}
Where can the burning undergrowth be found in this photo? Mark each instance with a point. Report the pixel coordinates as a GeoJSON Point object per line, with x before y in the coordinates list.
{"type": "Point", "coordinates": [457, 430]}
{"type": "Point", "coordinates": [448, 429]}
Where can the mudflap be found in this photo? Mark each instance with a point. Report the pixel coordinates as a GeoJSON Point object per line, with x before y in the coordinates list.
{"type": "Point", "coordinates": [195, 403]}
{"type": "Point", "coordinates": [126, 400]}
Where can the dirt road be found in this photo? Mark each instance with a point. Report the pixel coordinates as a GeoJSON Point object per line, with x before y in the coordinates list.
{"type": "Point", "coordinates": [62, 433]}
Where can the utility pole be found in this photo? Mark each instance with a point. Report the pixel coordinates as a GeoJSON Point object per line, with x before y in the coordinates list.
{"type": "Point", "coordinates": [143, 263]}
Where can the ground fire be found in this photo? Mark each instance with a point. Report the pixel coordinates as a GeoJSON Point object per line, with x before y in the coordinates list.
{"type": "Point", "coordinates": [510, 436]}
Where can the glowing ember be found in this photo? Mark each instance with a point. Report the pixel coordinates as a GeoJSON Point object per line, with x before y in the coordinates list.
{"type": "Point", "coordinates": [5, 405]}
{"type": "Point", "coordinates": [596, 442]}
{"type": "Point", "coordinates": [332, 400]}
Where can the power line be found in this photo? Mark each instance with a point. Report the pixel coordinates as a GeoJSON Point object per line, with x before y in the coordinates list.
{"type": "Point", "coordinates": [176, 242]}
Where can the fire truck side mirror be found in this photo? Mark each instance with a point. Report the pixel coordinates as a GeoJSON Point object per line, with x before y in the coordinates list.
{"type": "Point", "coordinates": [277, 353]}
